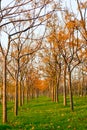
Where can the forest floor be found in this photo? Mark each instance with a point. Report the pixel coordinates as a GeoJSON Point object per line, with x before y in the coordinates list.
{"type": "Point", "coordinates": [43, 114]}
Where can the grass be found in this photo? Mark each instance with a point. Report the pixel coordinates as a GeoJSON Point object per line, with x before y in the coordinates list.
{"type": "Point", "coordinates": [43, 114]}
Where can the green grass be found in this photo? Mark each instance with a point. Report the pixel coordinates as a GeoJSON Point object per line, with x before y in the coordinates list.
{"type": "Point", "coordinates": [43, 114]}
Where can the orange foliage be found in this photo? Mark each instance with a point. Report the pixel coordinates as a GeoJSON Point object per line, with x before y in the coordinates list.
{"type": "Point", "coordinates": [41, 84]}
{"type": "Point", "coordinates": [71, 24]}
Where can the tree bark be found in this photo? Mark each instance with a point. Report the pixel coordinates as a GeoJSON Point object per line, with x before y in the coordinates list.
{"type": "Point", "coordinates": [16, 96]}
{"type": "Point", "coordinates": [70, 91]}
{"type": "Point", "coordinates": [64, 89]}
{"type": "Point", "coordinates": [53, 94]}
{"type": "Point", "coordinates": [4, 91]}
{"type": "Point", "coordinates": [27, 94]}
{"type": "Point", "coordinates": [57, 91]}
{"type": "Point", "coordinates": [58, 82]}
{"type": "Point", "coordinates": [20, 102]}
{"type": "Point", "coordinates": [16, 85]}
{"type": "Point", "coordinates": [22, 92]}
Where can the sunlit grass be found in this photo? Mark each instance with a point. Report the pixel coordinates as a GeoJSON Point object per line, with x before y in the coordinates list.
{"type": "Point", "coordinates": [43, 114]}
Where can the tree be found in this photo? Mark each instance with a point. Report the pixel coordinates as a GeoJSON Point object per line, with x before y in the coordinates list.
{"type": "Point", "coordinates": [82, 22]}
{"type": "Point", "coordinates": [68, 48]}
{"type": "Point", "coordinates": [17, 13]}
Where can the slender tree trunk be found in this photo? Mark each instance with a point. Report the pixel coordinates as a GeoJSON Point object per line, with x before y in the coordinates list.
{"type": "Point", "coordinates": [82, 84]}
{"type": "Point", "coordinates": [16, 95]}
{"type": "Point", "coordinates": [79, 88]}
{"type": "Point", "coordinates": [22, 96]}
{"type": "Point", "coordinates": [32, 93]}
{"type": "Point", "coordinates": [16, 87]}
{"type": "Point", "coordinates": [57, 92]}
{"type": "Point", "coordinates": [22, 92]}
{"type": "Point", "coordinates": [37, 92]}
{"type": "Point", "coordinates": [70, 92]}
{"type": "Point", "coordinates": [4, 91]}
{"type": "Point", "coordinates": [27, 84]}
{"type": "Point", "coordinates": [20, 102]}
{"type": "Point", "coordinates": [27, 94]}
{"type": "Point", "coordinates": [53, 94]}
{"type": "Point", "coordinates": [57, 86]}
{"type": "Point", "coordinates": [0, 94]}
{"type": "Point", "coordinates": [64, 89]}
{"type": "Point", "coordinates": [49, 91]}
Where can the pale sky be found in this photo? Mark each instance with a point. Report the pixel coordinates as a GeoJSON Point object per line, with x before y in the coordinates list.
{"type": "Point", "coordinates": [67, 3]}
{"type": "Point", "coordinates": [5, 2]}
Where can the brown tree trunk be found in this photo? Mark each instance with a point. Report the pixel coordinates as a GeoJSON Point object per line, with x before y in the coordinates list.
{"type": "Point", "coordinates": [79, 88]}
{"type": "Point", "coordinates": [4, 91]}
{"type": "Point", "coordinates": [22, 92]}
{"type": "Point", "coordinates": [22, 97]}
{"type": "Point", "coordinates": [53, 94]}
{"type": "Point", "coordinates": [58, 82]}
{"type": "Point", "coordinates": [20, 102]}
{"type": "Point", "coordinates": [27, 94]}
{"type": "Point", "coordinates": [57, 91]}
{"type": "Point", "coordinates": [53, 91]}
{"type": "Point", "coordinates": [16, 96]}
{"type": "Point", "coordinates": [0, 94]}
{"type": "Point", "coordinates": [27, 84]}
{"type": "Point", "coordinates": [82, 84]}
{"type": "Point", "coordinates": [16, 87]}
{"type": "Point", "coordinates": [70, 91]}
{"type": "Point", "coordinates": [37, 93]}
{"type": "Point", "coordinates": [64, 89]}
{"type": "Point", "coordinates": [32, 93]}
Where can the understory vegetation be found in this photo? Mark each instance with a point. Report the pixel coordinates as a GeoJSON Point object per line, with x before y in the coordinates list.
{"type": "Point", "coordinates": [43, 114]}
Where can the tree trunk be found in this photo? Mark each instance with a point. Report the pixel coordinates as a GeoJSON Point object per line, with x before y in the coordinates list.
{"type": "Point", "coordinates": [53, 91]}
{"type": "Point", "coordinates": [27, 94]}
{"type": "Point", "coordinates": [70, 91]}
{"type": "Point", "coordinates": [16, 96]}
{"type": "Point", "coordinates": [20, 102]}
{"type": "Point", "coordinates": [32, 93]}
{"type": "Point", "coordinates": [0, 94]}
{"type": "Point", "coordinates": [64, 89]}
{"type": "Point", "coordinates": [16, 87]}
{"type": "Point", "coordinates": [53, 94]}
{"type": "Point", "coordinates": [79, 88]}
{"type": "Point", "coordinates": [58, 82]}
{"type": "Point", "coordinates": [37, 93]}
{"type": "Point", "coordinates": [82, 84]}
{"type": "Point", "coordinates": [22, 96]}
{"type": "Point", "coordinates": [57, 93]}
{"type": "Point", "coordinates": [4, 91]}
{"type": "Point", "coordinates": [22, 92]}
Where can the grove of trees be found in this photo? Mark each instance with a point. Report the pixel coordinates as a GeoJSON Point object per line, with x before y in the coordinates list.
{"type": "Point", "coordinates": [43, 51]}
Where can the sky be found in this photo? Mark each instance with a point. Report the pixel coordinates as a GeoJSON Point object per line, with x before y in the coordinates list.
{"type": "Point", "coordinates": [66, 3]}
{"type": "Point", "coordinates": [4, 38]}
{"type": "Point", "coordinates": [5, 2]}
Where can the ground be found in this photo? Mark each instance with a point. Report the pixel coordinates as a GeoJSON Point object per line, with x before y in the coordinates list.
{"type": "Point", "coordinates": [43, 114]}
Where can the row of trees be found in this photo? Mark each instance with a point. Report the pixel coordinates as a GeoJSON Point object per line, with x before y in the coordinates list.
{"type": "Point", "coordinates": [51, 61]}
{"type": "Point", "coordinates": [65, 53]}
{"type": "Point", "coordinates": [19, 20]}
